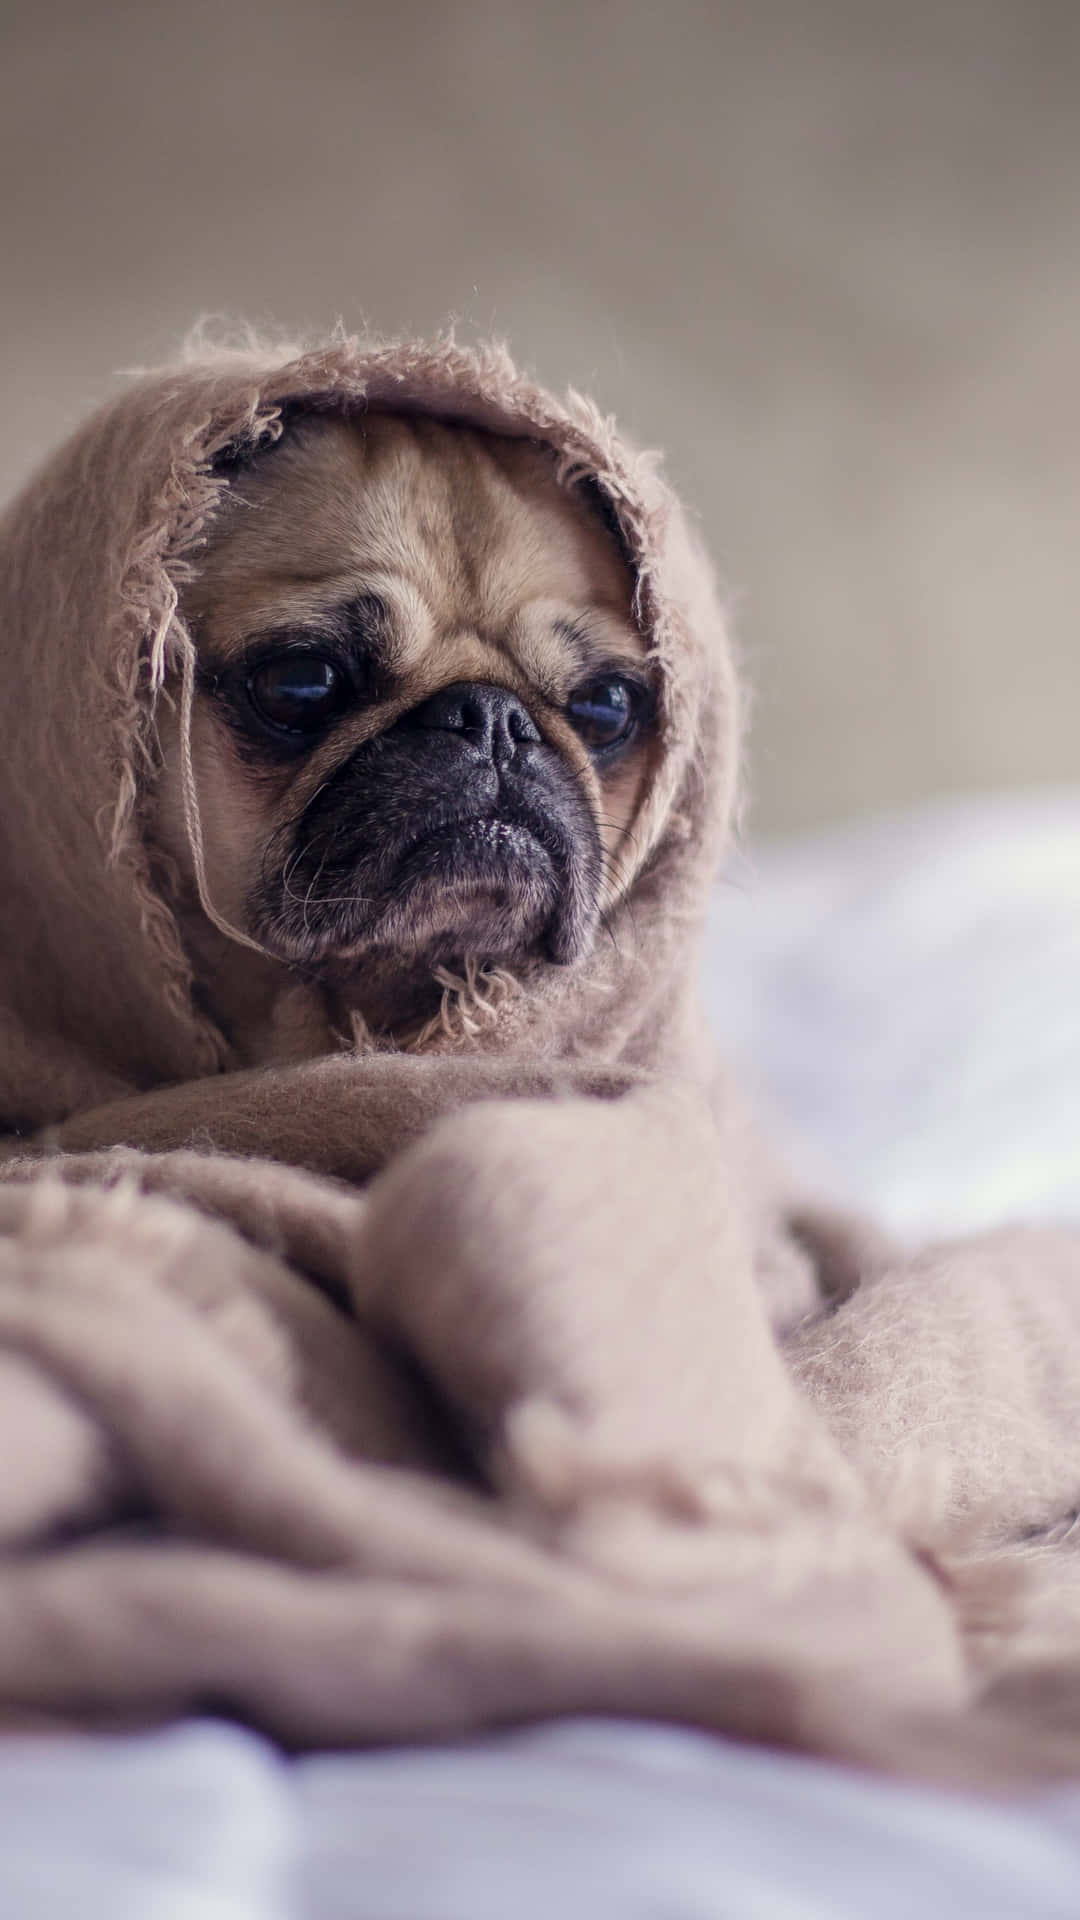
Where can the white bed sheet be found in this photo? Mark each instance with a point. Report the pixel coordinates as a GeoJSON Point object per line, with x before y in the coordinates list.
{"type": "Point", "coordinates": [905, 995]}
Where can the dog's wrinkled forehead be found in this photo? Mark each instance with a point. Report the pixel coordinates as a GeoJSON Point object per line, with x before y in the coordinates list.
{"type": "Point", "coordinates": [458, 535]}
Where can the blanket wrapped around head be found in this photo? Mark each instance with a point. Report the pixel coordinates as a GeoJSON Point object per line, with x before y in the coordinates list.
{"type": "Point", "coordinates": [96, 991]}
{"type": "Point", "coordinates": [400, 1391]}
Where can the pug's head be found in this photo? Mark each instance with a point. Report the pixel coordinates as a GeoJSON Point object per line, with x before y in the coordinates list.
{"type": "Point", "coordinates": [423, 716]}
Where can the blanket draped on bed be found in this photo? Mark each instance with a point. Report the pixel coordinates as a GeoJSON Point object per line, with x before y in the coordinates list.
{"type": "Point", "coordinates": [400, 1393]}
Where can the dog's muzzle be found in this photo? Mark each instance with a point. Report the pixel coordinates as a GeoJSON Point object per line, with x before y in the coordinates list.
{"type": "Point", "coordinates": [458, 831]}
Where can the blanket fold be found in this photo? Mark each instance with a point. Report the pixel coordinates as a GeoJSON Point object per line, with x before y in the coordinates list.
{"type": "Point", "coordinates": [409, 1390]}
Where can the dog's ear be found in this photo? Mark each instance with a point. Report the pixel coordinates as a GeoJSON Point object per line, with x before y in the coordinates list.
{"type": "Point", "coordinates": [239, 453]}
{"type": "Point", "coordinates": [262, 436]}
{"type": "Point", "coordinates": [600, 504]}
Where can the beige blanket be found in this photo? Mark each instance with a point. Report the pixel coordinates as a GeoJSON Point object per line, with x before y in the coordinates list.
{"type": "Point", "coordinates": [398, 1393]}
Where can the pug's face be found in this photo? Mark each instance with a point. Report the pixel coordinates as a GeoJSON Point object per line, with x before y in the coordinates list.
{"type": "Point", "coordinates": [423, 716]}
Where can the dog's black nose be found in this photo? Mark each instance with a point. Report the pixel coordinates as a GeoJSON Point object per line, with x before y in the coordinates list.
{"type": "Point", "coordinates": [491, 718]}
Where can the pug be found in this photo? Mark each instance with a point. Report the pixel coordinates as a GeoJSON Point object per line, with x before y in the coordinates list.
{"type": "Point", "coordinates": [422, 722]}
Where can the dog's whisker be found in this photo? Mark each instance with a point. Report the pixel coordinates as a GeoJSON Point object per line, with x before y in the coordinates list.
{"type": "Point", "coordinates": [311, 886]}
{"type": "Point", "coordinates": [286, 877]}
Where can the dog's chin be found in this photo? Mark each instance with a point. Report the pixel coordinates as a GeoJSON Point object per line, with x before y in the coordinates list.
{"type": "Point", "coordinates": [488, 889]}
{"type": "Point", "coordinates": [485, 889]}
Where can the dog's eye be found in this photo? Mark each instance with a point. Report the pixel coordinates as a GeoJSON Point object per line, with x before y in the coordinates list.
{"type": "Point", "coordinates": [298, 692]}
{"type": "Point", "coordinates": [606, 712]}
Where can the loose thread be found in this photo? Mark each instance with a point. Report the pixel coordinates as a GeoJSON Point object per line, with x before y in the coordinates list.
{"type": "Point", "coordinates": [190, 792]}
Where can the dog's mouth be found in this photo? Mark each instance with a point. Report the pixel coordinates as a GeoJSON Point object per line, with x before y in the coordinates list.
{"type": "Point", "coordinates": [501, 872]}
{"type": "Point", "coordinates": [484, 855]}
{"type": "Point", "coordinates": [483, 839]}
{"type": "Point", "coordinates": [485, 884]}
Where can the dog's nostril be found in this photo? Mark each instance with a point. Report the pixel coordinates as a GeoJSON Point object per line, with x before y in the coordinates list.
{"type": "Point", "coordinates": [473, 717]}
{"type": "Point", "coordinates": [491, 717]}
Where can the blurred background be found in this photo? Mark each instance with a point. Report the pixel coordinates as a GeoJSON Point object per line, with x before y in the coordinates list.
{"type": "Point", "coordinates": [825, 254]}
